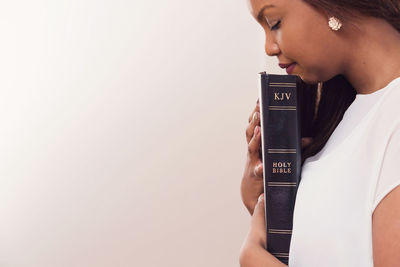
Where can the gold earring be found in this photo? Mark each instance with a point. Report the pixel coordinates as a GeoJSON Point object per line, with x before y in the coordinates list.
{"type": "Point", "coordinates": [334, 23]}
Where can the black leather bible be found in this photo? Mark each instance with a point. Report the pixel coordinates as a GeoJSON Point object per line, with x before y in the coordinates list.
{"type": "Point", "coordinates": [281, 155]}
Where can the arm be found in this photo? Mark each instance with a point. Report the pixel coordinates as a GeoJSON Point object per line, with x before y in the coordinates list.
{"type": "Point", "coordinates": [253, 252]}
{"type": "Point", "coordinates": [386, 231]}
{"type": "Point", "coordinates": [386, 216]}
{"type": "Point", "coordinates": [258, 257]}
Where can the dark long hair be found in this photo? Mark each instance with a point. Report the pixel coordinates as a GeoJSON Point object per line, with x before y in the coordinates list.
{"type": "Point", "coordinates": [336, 94]}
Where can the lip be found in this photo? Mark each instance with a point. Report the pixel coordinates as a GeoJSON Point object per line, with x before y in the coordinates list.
{"type": "Point", "coordinates": [285, 65]}
{"type": "Point", "coordinates": [289, 67]}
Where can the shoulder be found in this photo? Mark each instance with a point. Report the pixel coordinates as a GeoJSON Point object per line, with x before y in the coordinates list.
{"type": "Point", "coordinates": [389, 104]}
{"type": "Point", "coordinates": [385, 117]}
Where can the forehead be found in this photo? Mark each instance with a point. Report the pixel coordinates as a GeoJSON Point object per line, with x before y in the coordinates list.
{"type": "Point", "coordinates": [256, 6]}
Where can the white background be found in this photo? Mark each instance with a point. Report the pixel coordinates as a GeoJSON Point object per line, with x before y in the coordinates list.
{"type": "Point", "coordinates": [122, 131]}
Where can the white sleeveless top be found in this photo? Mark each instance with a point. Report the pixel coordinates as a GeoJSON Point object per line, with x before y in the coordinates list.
{"type": "Point", "coordinates": [345, 181]}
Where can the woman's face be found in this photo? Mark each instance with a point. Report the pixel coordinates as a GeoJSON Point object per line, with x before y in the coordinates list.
{"type": "Point", "coordinates": [296, 32]}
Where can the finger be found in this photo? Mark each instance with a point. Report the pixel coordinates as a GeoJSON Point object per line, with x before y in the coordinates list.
{"type": "Point", "coordinates": [306, 141]}
{"type": "Point", "coordinates": [256, 109]}
{"type": "Point", "coordinates": [254, 144]}
{"type": "Point", "coordinates": [258, 228]}
{"type": "Point", "coordinates": [250, 129]}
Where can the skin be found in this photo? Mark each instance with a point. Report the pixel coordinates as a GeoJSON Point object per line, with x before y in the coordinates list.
{"type": "Point", "coordinates": [366, 51]}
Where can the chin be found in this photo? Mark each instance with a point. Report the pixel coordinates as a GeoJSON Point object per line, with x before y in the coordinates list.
{"type": "Point", "coordinates": [308, 80]}
{"type": "Point", "coordinates": [312, 78]}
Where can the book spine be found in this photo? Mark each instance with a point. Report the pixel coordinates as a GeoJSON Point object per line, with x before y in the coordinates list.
{"type": "Point", "coordinates": [281, 154]}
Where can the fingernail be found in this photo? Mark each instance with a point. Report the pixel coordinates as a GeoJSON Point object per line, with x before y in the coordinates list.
{"type": "Point", "coordinates": [259, 168]}
{"type": "Point", "coordinates": [261, 197]}
{"type": "Point", "coordinates": [255, 116]}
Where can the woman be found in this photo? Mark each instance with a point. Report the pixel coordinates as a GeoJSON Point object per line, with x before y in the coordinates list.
{"type": "Point", "coordinates": [347, 210]}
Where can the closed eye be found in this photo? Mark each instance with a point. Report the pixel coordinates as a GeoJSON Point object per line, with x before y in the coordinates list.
{"type": "Point", "coordinates": [276, 26]}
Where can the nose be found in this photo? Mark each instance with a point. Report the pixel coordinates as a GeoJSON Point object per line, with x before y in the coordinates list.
{"type": "Point", "coordinates": [271, 47]}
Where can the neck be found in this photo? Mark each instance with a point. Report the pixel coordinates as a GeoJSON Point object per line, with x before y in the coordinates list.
{"type": "Point", "coordinates": [373, 57]}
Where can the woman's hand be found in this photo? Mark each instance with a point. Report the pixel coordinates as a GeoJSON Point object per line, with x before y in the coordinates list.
{"type": "Point", "coordinates": [253, 252]}
{"type": "Point", "coordinates": [252, 182]}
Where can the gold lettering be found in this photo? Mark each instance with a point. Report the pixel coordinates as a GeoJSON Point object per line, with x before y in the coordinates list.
{"type": "Point", "coordinates": [282, 96]}
{"type": "Point", "coordinates": [281, 167]}
{"type": "Point", "coordinates": [281, 170]}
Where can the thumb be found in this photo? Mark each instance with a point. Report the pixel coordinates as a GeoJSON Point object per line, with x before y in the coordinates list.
{"type": "Point", "coordinates": [258, 228]}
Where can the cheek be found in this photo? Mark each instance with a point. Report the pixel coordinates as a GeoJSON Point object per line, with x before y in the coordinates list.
{"type": "Point", "coordinates": [304, 35]}
{"type": "Point", "coordinates": [315, 55]}
{"type": "Point", "coordinates": [324, 55]}
{"type": "Point", "coordinates": [311, 47]}
{"type": "Point", "coordinates": [294, 44]}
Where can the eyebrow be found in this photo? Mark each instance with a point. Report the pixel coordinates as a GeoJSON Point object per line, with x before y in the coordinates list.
{"type": "Point", "coordinates": [261, 12]}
